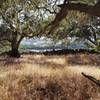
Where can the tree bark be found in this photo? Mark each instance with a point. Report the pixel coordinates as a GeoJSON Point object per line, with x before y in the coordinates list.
{"type": "Point", "coordinates": [14, 50]}
{"type": "Point", "coordinates": [58, 18]}
{"type": "Point", "coordinates": [15, 45]}
{"type": "Point", "coordinates": [89, 9]}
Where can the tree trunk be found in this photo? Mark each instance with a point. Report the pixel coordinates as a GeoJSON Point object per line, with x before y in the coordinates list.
{"type": "Point", "coordinates": [14, 50]}
{"type": "Point", "coordinates": [15, 45]}
{"type": "Point", "coordinates": [14, 53]}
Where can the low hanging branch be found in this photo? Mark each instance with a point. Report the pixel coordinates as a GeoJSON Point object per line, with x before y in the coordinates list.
{"type": "Point", "coordinates": [58, 18]}
{"type": "Point", "coordinates": [91, 78]}
{"type": "Point", "coordinates": [67, 6]}
{"type": "Point", "coordinates": [93, 10]}
{"type": "Point", "coordinates": [51, 27]}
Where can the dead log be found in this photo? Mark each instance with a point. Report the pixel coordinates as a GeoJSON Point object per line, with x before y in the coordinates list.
{"type": "Point", "coordinates": [91, 78]}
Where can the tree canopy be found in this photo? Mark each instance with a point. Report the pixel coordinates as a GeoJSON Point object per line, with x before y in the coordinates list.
{"type": "Point", "coordinates": [90, 7]}
{"type": "Point", "coordinates": [28, 18]}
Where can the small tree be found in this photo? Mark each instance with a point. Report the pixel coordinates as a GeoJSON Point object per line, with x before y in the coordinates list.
{"type": "Point", "coordinates": [19, 19]}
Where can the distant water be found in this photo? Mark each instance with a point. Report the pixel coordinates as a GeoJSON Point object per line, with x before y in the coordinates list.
{"type": "Point", "coordinates": [47, 44]}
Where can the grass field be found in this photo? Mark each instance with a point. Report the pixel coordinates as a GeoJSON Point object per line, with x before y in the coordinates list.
{"type": "Point", "coordinates": [45, 77]}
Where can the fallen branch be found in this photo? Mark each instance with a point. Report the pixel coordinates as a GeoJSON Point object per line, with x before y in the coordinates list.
{"type": "Point", "coordinates": [91, 78]}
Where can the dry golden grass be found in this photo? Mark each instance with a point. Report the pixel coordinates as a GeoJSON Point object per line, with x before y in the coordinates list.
{"type": "Point", "coordinates": [42, 77]}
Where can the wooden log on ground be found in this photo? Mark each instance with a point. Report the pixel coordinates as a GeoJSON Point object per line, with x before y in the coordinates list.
{"type": "Point", "coordinates": [91, 78]}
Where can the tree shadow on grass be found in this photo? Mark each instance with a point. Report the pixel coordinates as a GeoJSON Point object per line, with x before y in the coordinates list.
{"type": "Point", "coordinates": [8, 61]}
{"type": "Point", "coordinates": [84, 59]}
{"type": "Point", "coordinates": [53, 60]}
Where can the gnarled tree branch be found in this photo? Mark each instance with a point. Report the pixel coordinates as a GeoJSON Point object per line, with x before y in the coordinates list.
{"type": "Point", "coordinates": [67, 6]}
{"type": "Point", "coordinates": [93, 10]}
